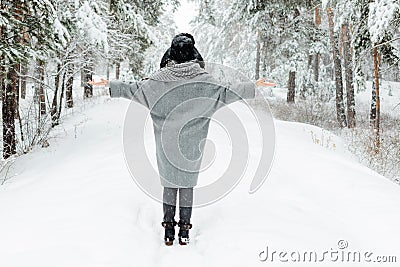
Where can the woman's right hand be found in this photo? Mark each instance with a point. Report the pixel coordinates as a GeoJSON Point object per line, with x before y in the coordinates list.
{"type": "Point", "coordinates": [102, 82]}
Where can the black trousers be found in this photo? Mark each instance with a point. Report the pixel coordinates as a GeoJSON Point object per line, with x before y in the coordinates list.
{"type": "Point", "coordinates": [185, 204]}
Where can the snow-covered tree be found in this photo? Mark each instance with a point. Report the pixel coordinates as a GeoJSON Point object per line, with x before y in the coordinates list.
{"type": "Point", "coordinates": [274, 38]}
{"type": "Point", "coordinates": [26, 32]}
{"type": "Point", "coordinates": [131, 24]}
{"type": "Point", "coordinates": [160, 37]}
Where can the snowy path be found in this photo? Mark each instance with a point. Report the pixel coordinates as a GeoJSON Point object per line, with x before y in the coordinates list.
{"type": "Point", "coordinates": [75, 204]}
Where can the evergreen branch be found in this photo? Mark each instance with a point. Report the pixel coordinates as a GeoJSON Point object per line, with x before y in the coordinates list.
{"type": "Point", "coordinates": [384, 43]}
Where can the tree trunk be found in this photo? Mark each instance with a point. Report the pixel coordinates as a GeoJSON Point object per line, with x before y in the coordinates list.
{"type": "Point", "coordinates": [54, 106]}
{"type": "Point", "coordinates": [108, 72]}
{"type": "Point", "coordinates": [2, 86]}
{"type": "Point", "coordinates": [2, 60]}
{"type": "Point", "coordinates": [317, 16]}
{"type": "Point", "coordinates": [378, 112]}
{"type": "Point", "coordinates": [372, 114]}
{"type": "Point", "coordinates": [83, 76]}
{"type": "Point", "coordinates": [291, 87]}
{"type": "Point", "coordinates": [316, 67]}
{"type": "Point", "coordinates": [9, 82]}
{"type": "Point", "coordinates": [257, 75]}
{"type": "Point", "coordinates": [87, 88]}
{"type": "Point", "coordinates": [9, 113]}
{"type": "Point", "coordinates": [17, 10]}
{"type": "Point", "coordinates": [117, 70]}
{"type": "Point", "coordinates": [264, 58]}
{"type": "Point", "coordinates": [348, 65]}
{"type": "Point", "coordinates": [17, 96]}
{"type": "Point", "coordinates": [23, 40]}
{"type": "Point", "coordinates": [317, 21]}
{"type": "Point", "coordinates": [24, 72]}
{"type": "Point", "coordinates": [61, 95]}
{"type": "Point", "coordinates": [397, 73]}
{"type": "Point", "coordinates": [69, 85]}
{"type": "Point", "coordinates": [309, 61]}
{"type": "Point", "coordinates": [17, 88]}
{"type": "Point", "coordinates": [340, 109]}
{"type": "Point", "coordinates": [42, 98]}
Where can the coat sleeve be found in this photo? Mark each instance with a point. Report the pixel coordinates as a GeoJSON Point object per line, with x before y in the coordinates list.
{"type": "Point", "coordinates": [129, 90]}
{"type": "Point", "coordinates": [236, 92]}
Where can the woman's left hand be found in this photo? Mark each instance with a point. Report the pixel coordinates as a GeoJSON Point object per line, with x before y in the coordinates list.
{"type": "Point", "coordinates": [263, 83]}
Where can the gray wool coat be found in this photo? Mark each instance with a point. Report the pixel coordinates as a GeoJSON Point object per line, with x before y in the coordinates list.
{"type": "Point", "coordinates": [181, 100]}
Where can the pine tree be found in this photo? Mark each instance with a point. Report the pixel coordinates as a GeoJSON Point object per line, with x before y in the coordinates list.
{"type": "Point", "coordinates": [130, 32]}
{"type": "Point", "coordinates": [21, 21]}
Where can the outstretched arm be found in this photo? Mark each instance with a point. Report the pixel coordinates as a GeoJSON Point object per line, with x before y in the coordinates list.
{"type": "Point", "coordinates": [129, 90]}
{"type": "Point", "coordinates": [118, 88]}
{"type": "Point", "coordinates": [242, 90]}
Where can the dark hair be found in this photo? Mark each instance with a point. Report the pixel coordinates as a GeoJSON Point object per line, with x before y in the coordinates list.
{"type": "Point", "coordinates": [182, 50]}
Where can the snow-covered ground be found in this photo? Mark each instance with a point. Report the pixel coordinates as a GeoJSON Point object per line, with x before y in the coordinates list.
{"type": "Point", "coordinates": [75, 204]}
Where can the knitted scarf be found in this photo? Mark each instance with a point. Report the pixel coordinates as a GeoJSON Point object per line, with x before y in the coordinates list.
{"type": "Point", "coordinates": [176, 72]}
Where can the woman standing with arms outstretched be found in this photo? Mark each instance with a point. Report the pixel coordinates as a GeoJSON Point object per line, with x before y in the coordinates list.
{"type": "Point", "coordinates": [181, 97]}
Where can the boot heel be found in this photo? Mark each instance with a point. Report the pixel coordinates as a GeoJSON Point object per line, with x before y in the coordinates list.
{"type": "Point", "coordinates": [168, 242]}
{"type": "Point", "coordinates": [183, 241]}
{"type": "Point", "coordinates": [169, 235]}
{"type": "Point", "coordinates": [184, 233]}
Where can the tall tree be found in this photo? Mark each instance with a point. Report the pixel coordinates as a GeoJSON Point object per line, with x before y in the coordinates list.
{"type": "Point", "coordinates": [348, 66]}
{"type": "Point", "coordinates": [21, 20]}
{"type": "Point", "coordinates": [340, 109]}
{"type": "Point", "coordinates": [9, 89]}
{"type": "Point", "coordinates": [383, 24]}
{"type": "Point", "coordinates": [377, 122]}
{"type": "Point", "coordinates": [130, 31]}
{"type": "Point", "coordinates": [317, 55]}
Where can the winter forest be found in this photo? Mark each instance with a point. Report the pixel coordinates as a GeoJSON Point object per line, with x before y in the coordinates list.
{"type": "Point", "coordinates": [321, 53]}
{"type": "Point", "coordinates": [336, 64]}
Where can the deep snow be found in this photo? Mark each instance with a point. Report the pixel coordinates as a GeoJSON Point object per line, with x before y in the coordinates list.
{"type": "Point", "coordinates": [75, 204]}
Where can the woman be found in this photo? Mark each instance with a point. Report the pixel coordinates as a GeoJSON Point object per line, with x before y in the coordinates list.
{"type": "Point", "coordinates": [181, 97]}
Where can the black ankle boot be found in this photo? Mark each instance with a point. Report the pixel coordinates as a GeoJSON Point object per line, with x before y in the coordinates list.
{"type": "Point", "coordinates": [169, 235]}
{"type": "Point", "coordinates": [184, 232]}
